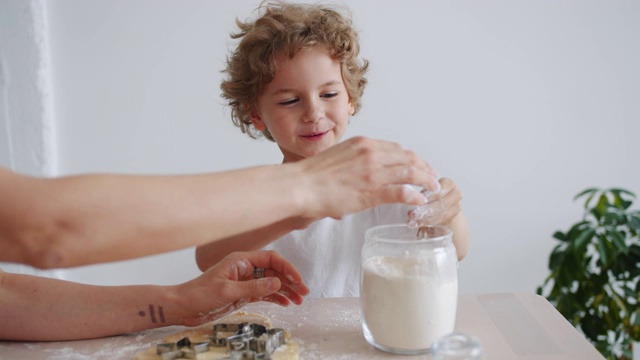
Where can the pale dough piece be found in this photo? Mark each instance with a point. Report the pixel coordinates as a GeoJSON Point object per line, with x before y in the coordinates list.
{"type": "Point", "coordinates": [289, 351]}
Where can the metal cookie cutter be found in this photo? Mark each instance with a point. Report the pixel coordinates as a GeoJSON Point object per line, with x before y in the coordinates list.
{"type": "Point", "coordinates": [181, 349]}
{"type": "Point", "coordinates": [243, 341]}
{"type": "Point", "coordinates": [250, 341]}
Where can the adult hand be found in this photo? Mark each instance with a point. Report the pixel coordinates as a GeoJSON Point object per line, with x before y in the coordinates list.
{"type": "Point", "coordinates": [442, 206]}
{"type": "Point", "coordinates": [361, 173]}
{"type": "Point", "coordinates": [230, 284]}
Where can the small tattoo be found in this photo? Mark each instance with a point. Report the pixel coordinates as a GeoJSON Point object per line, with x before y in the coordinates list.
{"type": "Point", "coordinates": [161, 314]}
{"type": "Point", "coordinates": [152, 314]}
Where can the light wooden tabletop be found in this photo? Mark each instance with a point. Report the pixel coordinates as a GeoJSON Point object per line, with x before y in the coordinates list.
{"type": "Point", "coordinates": [511, 326]}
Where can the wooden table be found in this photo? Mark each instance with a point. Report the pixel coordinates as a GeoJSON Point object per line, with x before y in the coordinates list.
{"type": "Point", "coordinates": [511, 326]}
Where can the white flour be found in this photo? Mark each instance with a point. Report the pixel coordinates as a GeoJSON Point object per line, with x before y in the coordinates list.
{"type": "Point", "coordinates": [404, 306]}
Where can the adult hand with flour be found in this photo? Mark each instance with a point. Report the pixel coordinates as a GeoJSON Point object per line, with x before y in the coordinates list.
{"type": "Point", "coordinates": [92, 218]}
{"type": "Point", "coordinates": [444, 207]}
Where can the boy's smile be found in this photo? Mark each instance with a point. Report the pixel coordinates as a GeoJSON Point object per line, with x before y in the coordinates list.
{"type": "Point", "coordinates": [315, 136]}
{"type": "Point", "coordinates": [306, 106]}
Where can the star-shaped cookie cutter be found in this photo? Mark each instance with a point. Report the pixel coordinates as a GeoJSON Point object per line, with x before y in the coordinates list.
{"type": "Point", "coordinates": [181, 349]}
{"type": "Point", "coordinates": [249, 341]}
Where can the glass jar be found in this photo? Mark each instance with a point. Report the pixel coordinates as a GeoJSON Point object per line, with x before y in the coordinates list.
{"type": "Point", "coordinates": [408, 287]}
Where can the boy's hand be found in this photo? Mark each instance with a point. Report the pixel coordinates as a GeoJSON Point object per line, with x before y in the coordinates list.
{"type": "Point", "coordinates": [442, 207]}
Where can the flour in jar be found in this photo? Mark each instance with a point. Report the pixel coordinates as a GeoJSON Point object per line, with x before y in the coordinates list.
{"type": "Point", "coordinates": [404, 305]}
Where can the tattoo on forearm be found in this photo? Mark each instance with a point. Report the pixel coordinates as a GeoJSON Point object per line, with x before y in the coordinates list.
{"type": "Point", "coordinates": [152, 314]}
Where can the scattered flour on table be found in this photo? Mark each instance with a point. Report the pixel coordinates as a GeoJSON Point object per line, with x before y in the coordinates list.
{"type": "Point", "coordinates": [117, 348]}
{"type": "Point", "coordinates": [105, 352]}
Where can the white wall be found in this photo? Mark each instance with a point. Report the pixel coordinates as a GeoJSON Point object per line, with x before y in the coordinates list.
{"type": "Point", "coordinates": [522, 103]}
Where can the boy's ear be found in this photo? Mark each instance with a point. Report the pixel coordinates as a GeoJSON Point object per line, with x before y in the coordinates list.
{"type": "Point", "coordinates": [352, 109]}
{"type": "Point", "coordinates": [256, 120]}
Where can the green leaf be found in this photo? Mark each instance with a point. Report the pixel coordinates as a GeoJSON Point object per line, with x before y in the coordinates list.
{"type": "Point", "coordinates": [630, 293]}
{"type": "Point", "coordinates": [599, 298]}
{"type": "Point", "coordinates": [618, 240]}
{"type": "Point", "coordinates": [636, 321]}
{"type": "Point", "coordinates": [592, 327]}
{"type": "Point", "coordinates": [612, 218]}
{"type": "Point", "coordinates": [634, 222]}
{"type": "Point", "coordinates": [620, 305]}
{"type": "Point", "coordinates": [619, 191]}
{"type": "Point", "coordinates": [597, 214]}
{"type": "Point", "coordinates": [559, 235]}
{"type": "Point", "coordinates": [619, 201]}
{"type": "Point", "coordinates": [603, 204]}
{"type": "Point", "coordinates": [583, 238]}
{"type": "Point", "coordinates": [556, 257]}
{"type": "Point", "coordinates": [567, 271]}
{"type": "Point", "coordinates": [590, 191]}
{"type": "Point", "coordinates": [577, 228]}
{"type": "Point", "coordinates": [603, 251]}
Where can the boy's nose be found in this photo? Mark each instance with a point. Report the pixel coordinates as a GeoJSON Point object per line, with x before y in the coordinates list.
{"type": "Point", "coordinates": [313, 112]}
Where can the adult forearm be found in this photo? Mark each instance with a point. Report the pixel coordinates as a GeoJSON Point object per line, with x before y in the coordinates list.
{"type": "Point", "coordinates": [165, 214]}
{"type": "Point", "coordinates": [40, 309]}
{"type": "Point", "coordinates": [80, 220]}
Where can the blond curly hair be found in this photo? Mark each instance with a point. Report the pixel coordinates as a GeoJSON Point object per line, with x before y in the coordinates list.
{"type": "Point", "coordinates": [287, 28]}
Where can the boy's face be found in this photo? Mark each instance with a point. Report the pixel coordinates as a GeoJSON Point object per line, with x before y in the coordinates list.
{"type": "Point", "coordinates": [306, 106]}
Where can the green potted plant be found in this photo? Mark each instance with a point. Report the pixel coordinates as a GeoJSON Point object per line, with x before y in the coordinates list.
{"type": "Point", "coordinates": [595, 272]}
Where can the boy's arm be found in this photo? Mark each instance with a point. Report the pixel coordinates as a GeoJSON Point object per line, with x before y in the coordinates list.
{"type": "Point", "coordinates": [209, 254]}
{"type": "Point", "coordinates": [460, 230]}
{"type": "Point", "coordinates": [42, 309]}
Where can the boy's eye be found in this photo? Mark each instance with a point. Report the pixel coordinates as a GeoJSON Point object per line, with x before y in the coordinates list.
{"type": "Point", "coordinates": [330, 95]}
{"type": "Point", "coordinates": [288, 102]}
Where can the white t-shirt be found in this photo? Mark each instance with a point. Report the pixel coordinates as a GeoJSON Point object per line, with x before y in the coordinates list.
{"type": "Point", "coordinates": [327, 253]}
